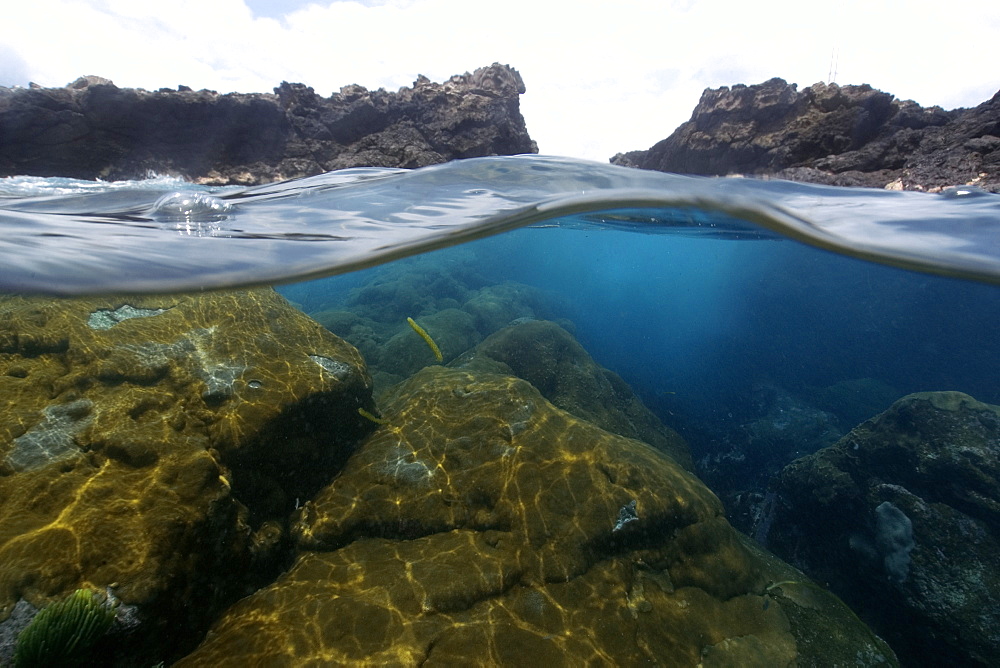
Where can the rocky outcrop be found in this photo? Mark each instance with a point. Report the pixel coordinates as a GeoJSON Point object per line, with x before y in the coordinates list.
{"type": "Point", "coordinates": [831, 134]}
{"type": "Point", "coordinates": [175, 453]}
{"type": "Point", "coordinates": [93, 129]}
{"type": "Point", "coordinates": [901, 518]}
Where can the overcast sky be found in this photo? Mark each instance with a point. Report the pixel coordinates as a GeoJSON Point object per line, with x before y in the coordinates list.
{"type": "Point", "coordinates": [601, 77]}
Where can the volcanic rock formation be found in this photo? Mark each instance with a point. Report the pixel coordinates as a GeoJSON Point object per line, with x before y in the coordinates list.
{"type": "Point", "coordinates": [831, 134]}
{"type": "Point", "coordinates": [93, 129]}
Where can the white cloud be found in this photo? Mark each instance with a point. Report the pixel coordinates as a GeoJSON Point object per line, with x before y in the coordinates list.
{"type": "Point", "coordinates": [602, 77]}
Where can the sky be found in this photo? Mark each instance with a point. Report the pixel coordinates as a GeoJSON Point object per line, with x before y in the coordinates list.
{"type": "Point", "coordinates": [602, 77]}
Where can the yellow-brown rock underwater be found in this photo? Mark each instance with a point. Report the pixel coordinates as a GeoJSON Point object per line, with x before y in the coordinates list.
{"type": "Point", "coordinates": [155, 445]}
{"type": "Point", "coordinates": [484, 526]}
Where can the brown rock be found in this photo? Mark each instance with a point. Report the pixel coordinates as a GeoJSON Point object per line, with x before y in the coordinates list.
{"type": "Point", "coordinates": [548, 357]}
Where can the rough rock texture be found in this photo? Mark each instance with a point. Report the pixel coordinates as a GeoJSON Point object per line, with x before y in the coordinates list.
{"type": "Point", "coordinates": [93, 129]}
{"type": "Point", "coordinates": [902, 519]}
{"type": "Point", "coordinates": [483, 526]}
{"type": "Point", "coordinates": [156, 445]}
{"type": "Point", "coordinates": [831, 134]}
{"type": "Point", "coordinates": [548, 357]}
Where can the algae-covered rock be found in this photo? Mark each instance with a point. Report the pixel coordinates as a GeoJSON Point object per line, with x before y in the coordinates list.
{"type": "Point", "coordinates": [496, 306]}
{"type": "Point", "coordinates": [137, 432]}
{"type": "Point", "coordinates": [902, 518]}
{"type": "Point", "coordinates": [481, 525]}
{"type": "Point", "coordinates": [548, 357]}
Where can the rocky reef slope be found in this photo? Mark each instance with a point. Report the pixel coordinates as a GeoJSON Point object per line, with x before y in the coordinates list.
{"type": "Point", "coordinates": [900, 518]}
{"type": "Point", "coordinates": [93, 129]}
{"type": "Point", "coordinates": [831, 134]}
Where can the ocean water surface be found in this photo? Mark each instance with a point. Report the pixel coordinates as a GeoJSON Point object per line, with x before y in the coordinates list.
{"type": "Point", "coordinates": [762, 320]}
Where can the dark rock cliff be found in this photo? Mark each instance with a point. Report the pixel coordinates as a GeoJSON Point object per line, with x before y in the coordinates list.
{"type": "Point", "coordinates": [831, 134]}
{"type": "Point", "coordinates": [93, 129]}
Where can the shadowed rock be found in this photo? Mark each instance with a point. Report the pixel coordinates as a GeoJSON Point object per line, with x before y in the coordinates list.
{"type": "Point", "coordinates": [902, 518]}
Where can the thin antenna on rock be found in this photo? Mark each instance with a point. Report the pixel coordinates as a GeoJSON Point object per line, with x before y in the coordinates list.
{"type": "Point", "coordinates": [831, 75]}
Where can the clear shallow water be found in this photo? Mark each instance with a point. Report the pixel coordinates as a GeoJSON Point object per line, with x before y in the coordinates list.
{"type": "Point", "coordinates": [160, 235]}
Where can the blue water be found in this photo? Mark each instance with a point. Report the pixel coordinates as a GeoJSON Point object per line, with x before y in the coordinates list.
{"type": "Point", "coordinates": [694, 324]}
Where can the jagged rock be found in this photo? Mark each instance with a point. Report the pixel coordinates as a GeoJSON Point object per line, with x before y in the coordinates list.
{"type": "Point", "coordinates": [93, 129]}
{"type": "Point", "coordinates": [901, 518]}
{"type": "Point", "coordinates": [156, 445]}
{"type": "Point", "coordinates": [482, 525]}
{"type": "Point", "coordinates": [831, 134]}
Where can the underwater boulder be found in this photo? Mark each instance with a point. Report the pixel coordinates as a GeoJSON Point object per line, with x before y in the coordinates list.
{"type": "Point", "coordinates": [414, 288]}
{"type": "Point", "coordinates": [854, 400]}
{"type": "Point", "coordinates": [548, 357]}
{"type": "Point", "coordinates": [481, 525]}
{"type": "Point", "coordinates": [138, 432]}
{"type": "Point", "coordinates": [901, 518]}
{"type": "Point", "coordinates": [363, 333]}
{"type": "Point", "coordinates": [496, 306]}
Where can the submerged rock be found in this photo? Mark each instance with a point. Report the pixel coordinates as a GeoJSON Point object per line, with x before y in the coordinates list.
{"type": "Point", "coordinates": [902, 518]}
{"type": "Point", "coordinates": [831, 134]}
{"type": "Point", "coordinates": [93, 129]}
{"type": "Point", "coordinates": [154, 445]}
{"type": "Point", "coordinates": [548, 357]}
{"type": "Point", "coordinates": [483, 525]}
{"type": "Point", "coordinates": [738, 463]}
